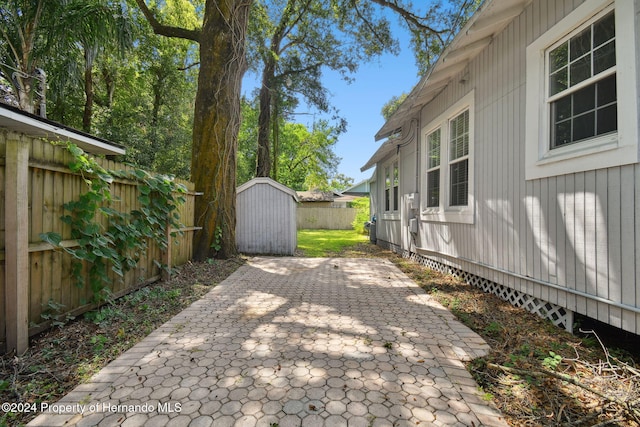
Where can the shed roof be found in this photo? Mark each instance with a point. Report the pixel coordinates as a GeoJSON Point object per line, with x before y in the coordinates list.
{"type": "Point", "coordinates": [17, 120]}
{"type": "Point", "coordinates": [268, 181]}
{"type": "Point", "coordinates": [490, 19]}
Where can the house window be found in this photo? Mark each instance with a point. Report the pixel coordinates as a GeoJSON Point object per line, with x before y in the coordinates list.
{"type": "Point", "coordinates": [581, 92]}
{"type": "Point", "coordinates": [459, 160]}
{"type": "Point", "coordinates": [396, 182]}
{"type": "Point", "coordinates": [387, 189]}
{"type": "Point", "coordinates": [391, 187]}
{"type": "Point", "coordinates": [448, 163]}
{"type": "Point", "coordinates": [582, 84]}
{"type": "Point", "coordinates": [433, 169]}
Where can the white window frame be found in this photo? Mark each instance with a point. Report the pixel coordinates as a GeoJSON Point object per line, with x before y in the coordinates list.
{"type": "Point", "coordinates": [389, 171]}
{"type": "Point", "coordinates": [431, 169]}
{"type": "Point", "coordinates": [444, 212]}
{"type": "Point", "coordinates": [613, 149]}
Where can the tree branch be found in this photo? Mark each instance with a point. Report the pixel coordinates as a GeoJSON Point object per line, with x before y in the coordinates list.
{"type": "Point", "coordinates": [411, 18]}
{"type": "Point", "coordinates": [166, 30]}
{"type": "Point", "coordinates": [185, 68]}
{"type": "Point", "coordinates": [568, 378]}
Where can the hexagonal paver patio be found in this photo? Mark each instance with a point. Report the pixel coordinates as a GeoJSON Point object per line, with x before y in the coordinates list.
{"type": "Point", "coordinates": [294, 342]}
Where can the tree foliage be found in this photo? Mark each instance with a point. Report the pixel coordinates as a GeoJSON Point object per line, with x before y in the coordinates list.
{"type": "Point", "coordinates": [38, 32]}
{"type": "Point", "coordinates": [305, 155]}
{"type": "Point", "coordinates": [293, 41]}
{"type": "Point", "coordinates": [174, 101]}
{"type": "Point", "coordinates": [392, 105]}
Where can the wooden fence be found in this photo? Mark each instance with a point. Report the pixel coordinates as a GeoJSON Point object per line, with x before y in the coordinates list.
{"type": "Point", "coordinates": [325, 218]}
{"type": "Point", "coordinates": [36, 182]}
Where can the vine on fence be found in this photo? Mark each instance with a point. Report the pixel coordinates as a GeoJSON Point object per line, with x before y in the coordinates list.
{"type": "Point", "coordinates": [121, 243]}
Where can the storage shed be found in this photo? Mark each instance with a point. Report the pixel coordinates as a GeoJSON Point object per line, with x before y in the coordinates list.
{"type": "Point", "coordinates": [266, 218]}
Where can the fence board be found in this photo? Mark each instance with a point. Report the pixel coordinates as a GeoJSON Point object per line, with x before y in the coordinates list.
{"type": "Point", "coordinates": [50, 184]}
{"type": "Point", "coordinates": [325, 218]}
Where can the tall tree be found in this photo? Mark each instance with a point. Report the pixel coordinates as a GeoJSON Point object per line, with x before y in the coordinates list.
{"type": "Point", "coordinates": [294, 40]}
{"type": "Point", "coordinates": [217, 117]}
{"type": "Point", "coordinates": [247, 141]}
{"type": "Point", "coordinates": [222, 37]}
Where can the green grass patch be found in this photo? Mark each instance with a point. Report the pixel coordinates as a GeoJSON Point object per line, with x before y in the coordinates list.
{"type": "Point", "coordinates": [326, 243]}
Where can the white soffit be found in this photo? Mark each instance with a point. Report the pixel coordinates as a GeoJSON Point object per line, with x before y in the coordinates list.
{"type": "Point", "coordinates": [490, 19]}
{"type": "Point", "coordinates": [15, 120]}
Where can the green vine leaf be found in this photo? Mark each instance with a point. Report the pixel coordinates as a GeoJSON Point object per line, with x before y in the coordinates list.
{"type": "Point", "coordinates": [119, 246]}
{"type": "Point", "coordinates": [51, 238]}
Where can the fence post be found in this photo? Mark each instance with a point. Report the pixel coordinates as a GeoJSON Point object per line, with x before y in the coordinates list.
{"type": "Point", "coordinates": [166, 254]}
{"type": "Point", "coordinates": [17, 244]}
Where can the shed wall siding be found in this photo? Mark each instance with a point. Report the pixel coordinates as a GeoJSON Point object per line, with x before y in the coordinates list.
{"type": "Point", "coordinates": [272, 228]}
{"type": "Point", "coordinates": [577, 231]}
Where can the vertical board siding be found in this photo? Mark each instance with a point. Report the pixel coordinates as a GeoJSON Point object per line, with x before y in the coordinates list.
{"type": "Point", "coordinates": [50, 185]}
{"type": "Point", "coordinates": [266, 221]}
{"type": "Point", "coordinates": [577, 231]}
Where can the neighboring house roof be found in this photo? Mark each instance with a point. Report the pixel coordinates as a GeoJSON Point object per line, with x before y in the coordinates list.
{"type": "Point", "coordinates": [17, 120]}
{"type": "Point", "coordinates": [490, 19]}
{"type": "Point", "coordinates": [360, 189]}
{"type": "Point", "coordinates": [270, 182]}
{"type": "Point", "coordinates": [316, 196]}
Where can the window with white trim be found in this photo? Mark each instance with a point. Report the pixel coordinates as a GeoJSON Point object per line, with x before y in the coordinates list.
{"type": "Point", "coordinates": [396, 185]}
{"type": "Point", "coordinates": [433, 169]}
{"type": "Point", "coordinates": [448, 165]}
{"type": "Point", "coordinates": [582, 84]}
{"type": "Point", "coordinates": [459, 160]}
{"type": "Point", "coordinates": [391, 187]}
{"type": "Point", "coordinates": [581, 92]}
{"type": "Point", "coordinates": [387, 189]}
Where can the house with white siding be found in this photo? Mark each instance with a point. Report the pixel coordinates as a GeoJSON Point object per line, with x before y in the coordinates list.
{"type": "Point", "coordinates": [514, 162]}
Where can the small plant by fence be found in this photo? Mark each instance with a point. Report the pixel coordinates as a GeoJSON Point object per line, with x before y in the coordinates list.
{"type": "Point", "coordinates": [42, 234]}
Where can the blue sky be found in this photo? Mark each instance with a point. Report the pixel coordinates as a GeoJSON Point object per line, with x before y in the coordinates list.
{"type": "Point", "coordinates": [361, 104]}
{"type": "Point", "coordinates": [361, 101]}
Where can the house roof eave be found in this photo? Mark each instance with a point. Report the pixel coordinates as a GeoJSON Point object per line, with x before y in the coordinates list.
{"type": "Point", "coordinates": [14, 119]}
{"type": "Point", "coordinates": [490, 18]}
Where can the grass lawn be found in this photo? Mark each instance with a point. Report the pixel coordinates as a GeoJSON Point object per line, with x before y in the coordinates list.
{"type": "Point", "coordinates": [326, 243]}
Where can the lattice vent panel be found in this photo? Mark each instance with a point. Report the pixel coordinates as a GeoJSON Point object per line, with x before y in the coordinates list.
{"type": "Point", "coordinates": [558, 315]}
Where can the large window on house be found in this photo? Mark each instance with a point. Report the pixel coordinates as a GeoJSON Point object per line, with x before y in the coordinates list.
{"type": "Point", "coordinates": [396, 186]}
{"type": "Point", "coordinates": [581, 109]}
{"type": "Point", "coordinates": [459, 160]}
{"type": "Point", "coordinates": [448, 165]}
{"type": "Point", "coordinates": [433, 169]}
{"type": "Point", "coordinates": [582, 84]}
{"type": "Point", "coordinates": [391, 187]}
{"type": "Point", "coordinates": [387, 189]}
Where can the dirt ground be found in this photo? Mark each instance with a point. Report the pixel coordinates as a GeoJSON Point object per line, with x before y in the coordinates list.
{"type": "Point", "coordinates": [536, 374]}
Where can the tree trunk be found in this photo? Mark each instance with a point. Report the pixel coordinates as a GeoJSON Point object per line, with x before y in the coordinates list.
{"type": "Point", "coordinates": [216, 125]}
{"type": "Point", "coordinates": [88, 103]}
{"type": "Point", "coordinates": [24, 87]}
{"type": "Point", "coordinates": [263, 164]}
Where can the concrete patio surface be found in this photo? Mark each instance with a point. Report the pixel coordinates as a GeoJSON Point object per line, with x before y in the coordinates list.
{"type": "Point", "coordinates": [294, 342]}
